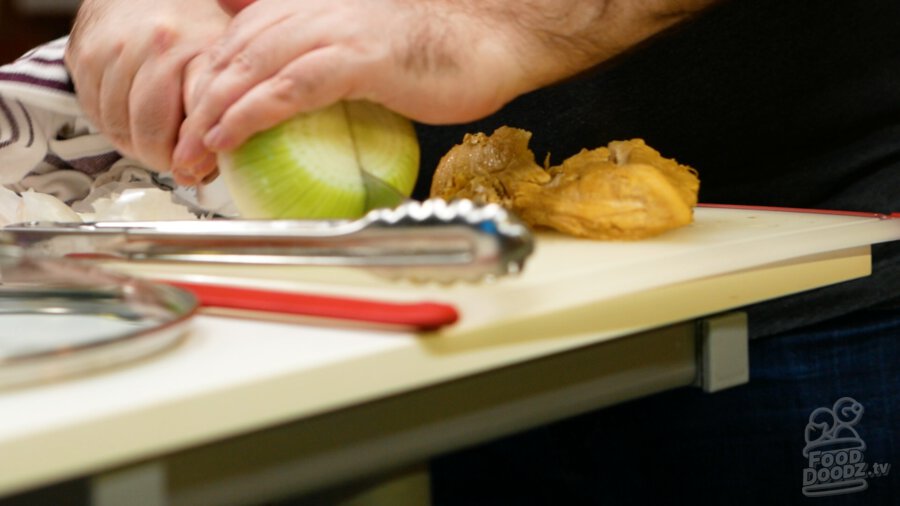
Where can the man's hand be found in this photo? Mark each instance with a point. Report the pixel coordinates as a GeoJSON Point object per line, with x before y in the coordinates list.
{"type": "Point", "coordinates": [436, 61]}
{"type": "Point", "coordinates": [127, 60]}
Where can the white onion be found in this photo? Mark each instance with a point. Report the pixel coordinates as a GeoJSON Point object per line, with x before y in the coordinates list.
{"type": "Point", "coordinates": [311, 165]}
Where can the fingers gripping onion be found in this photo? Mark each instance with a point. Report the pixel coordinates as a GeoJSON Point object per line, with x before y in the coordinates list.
{"type": "Point", "coordinates": [314, 165]}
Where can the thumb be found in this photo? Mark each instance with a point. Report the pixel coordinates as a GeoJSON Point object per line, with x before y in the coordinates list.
{"type": "Point", "coordinates": [232, 7]}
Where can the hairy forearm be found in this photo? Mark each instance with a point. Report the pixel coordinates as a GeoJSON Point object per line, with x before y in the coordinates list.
{"type": "Point", "coordinates": [562, 37]}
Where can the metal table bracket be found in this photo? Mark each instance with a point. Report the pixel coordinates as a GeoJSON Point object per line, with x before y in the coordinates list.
{"type": "Point", "coordinates": [723, 352]}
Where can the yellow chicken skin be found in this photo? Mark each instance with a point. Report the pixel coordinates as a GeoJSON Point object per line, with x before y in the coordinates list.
{"type": "Point", "coordinates": [624, 191]}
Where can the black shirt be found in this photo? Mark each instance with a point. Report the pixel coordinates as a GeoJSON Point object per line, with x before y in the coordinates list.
{"type": "Point", "coordinates": [785, 103]}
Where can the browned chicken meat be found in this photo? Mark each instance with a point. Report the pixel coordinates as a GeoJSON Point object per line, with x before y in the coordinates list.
{"type": "Point", "coordinates": [626, 190]}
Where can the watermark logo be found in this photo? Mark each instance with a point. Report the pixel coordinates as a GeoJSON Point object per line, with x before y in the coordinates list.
{"type": "Point", "coordinates": [835, 452]}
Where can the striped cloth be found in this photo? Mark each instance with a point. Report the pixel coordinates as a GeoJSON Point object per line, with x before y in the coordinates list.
{"type": "Point", "coordinates": [48, 145]}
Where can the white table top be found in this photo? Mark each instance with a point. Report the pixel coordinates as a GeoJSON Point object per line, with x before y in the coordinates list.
{"type": "Point", "coordinates": [231, 376]}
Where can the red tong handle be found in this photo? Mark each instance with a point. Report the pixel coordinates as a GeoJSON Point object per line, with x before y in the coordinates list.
{"type": "Point", "coordinates": [421, 316]}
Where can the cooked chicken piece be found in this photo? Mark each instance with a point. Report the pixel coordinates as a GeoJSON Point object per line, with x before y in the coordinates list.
{"type": "Point", "coordinates": [624, 191]}
{"type": "Point", "coordinates": [489, 169]}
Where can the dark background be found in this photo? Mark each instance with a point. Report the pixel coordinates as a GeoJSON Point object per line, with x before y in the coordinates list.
{"type": "Point", "coordinates": [21, 30]}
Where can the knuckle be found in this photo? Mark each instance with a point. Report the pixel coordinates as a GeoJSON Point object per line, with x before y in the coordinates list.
{"type": "Point", "coordinates": [292, 88]}
{"type": "Point", "coordinates": [220, 53]}
{"type": "Point", "coordinates": [216, 54]}
{"type": "Point", "coordinates": [115, 49]}
{"type": "Point", "coordinates": [80, 58]}
{"type": "Point", "coordinates": [287, 89]}
{"type": "Point", "coordinates": [163, 37]}
{"type": "Point", "coordinates": [246, 62]}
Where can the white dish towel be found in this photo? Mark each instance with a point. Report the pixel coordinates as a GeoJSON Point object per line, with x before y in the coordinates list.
{"type": "Point", "coordinates": [48, 145]}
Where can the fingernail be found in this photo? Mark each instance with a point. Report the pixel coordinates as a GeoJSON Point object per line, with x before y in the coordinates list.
{"type": "Point", "coordinates": [206, 166]}
{"type": "Point", "coordinates": [211, 176]}
{"type": "Point", "coordinates": [216, 139]}
{"type": "Point", "coordinates": [184, 179]}
{"type": "Point", "coordinates": [194, 173]}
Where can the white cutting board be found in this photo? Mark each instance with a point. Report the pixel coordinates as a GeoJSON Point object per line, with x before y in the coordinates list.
{"type": "Point", "coordinates": [232, 376]}
{"type": "Point", "coordinates": [566, 272]}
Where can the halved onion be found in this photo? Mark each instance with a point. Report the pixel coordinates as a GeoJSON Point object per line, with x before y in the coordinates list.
{"type": "Point", "coordinates": [313, 165]}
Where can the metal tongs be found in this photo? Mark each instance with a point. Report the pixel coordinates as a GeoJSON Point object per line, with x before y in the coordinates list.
{"type": "Point", "coordinates": [423, 241]}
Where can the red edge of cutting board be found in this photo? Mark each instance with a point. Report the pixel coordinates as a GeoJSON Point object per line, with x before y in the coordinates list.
{"type": "Point", "coordinates": [862, 214]}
